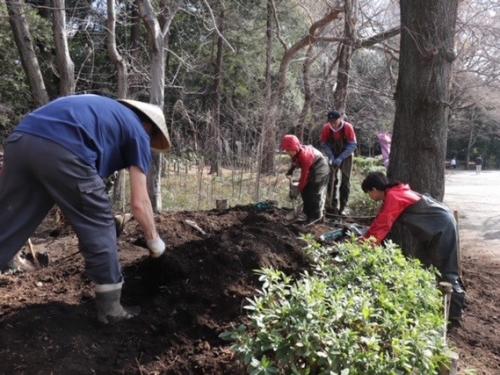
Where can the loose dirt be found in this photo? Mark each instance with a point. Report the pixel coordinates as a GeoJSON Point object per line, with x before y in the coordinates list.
{"type": "Point", "coordinates": [188, 298]}
{"type": "Point", "coordinates": [476, 198]}
{"type": "Point", "coordinates": [198, 291]}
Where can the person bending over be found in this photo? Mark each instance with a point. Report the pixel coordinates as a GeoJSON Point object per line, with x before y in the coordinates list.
{"type": "Point", "coordinates": [313, 175]}
{"type": "Point", "coordinates": [60, 154]}
{"type": "Point", "coordinates": [421, 226]}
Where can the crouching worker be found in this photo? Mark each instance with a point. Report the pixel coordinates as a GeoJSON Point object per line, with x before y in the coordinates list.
{"type": "Point", "coordinates": [422, 227]}
{"type": "Point", "coordinates": [314, 172]}
{"type": "Point", "coordinates": [60, 154]}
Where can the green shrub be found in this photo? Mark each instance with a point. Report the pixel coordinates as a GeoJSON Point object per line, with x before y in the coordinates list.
{"type": "Point", "coordinates": [365, 165]}
{"type": "Point", "coordinates": [364, 311]}
{"type": "Point", "coordinates": [360, 203]}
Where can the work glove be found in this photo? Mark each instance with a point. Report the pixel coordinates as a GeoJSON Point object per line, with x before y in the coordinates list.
{"type": "Point", "coordinates": [156, 247]}
{"type": "Point", "coordinates": [109, 308]}
{"type": "Point", "coordinates": [337, 163]}
{"type": "Point", "coordinates": [331, 161]}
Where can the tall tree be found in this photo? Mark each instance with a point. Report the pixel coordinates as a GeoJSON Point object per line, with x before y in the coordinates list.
{"type": "Point", "coordinates": [158, 27]}
{"type": "Point", "coordinates": [24, 42]}
{"type": "Point", "coordinates": [345, 54]}
{"type": "Point", "coordinates": [215, 140]}
{"type": "Point", "coordinates": [422, 94]}
{"type": "Point", "coordinates": [65, 65]}
{"type": "Point", "coordinates": [115, 56]}
{"type": "Point", "coordinates": [306, 107]}
{"type": "Point", "coordinates": [122, 70]}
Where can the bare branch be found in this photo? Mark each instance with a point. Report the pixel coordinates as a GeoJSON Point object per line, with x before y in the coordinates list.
{"type": "Point", "coordinates": [216, 28]}
{"type": "Point", "coordinates": [278, 35]}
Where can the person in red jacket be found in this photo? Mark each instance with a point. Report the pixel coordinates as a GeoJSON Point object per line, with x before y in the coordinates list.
{"type": "Point", "coordinates": [313, 176]}
{"type": "Point", "coordinates": [421, 226]}
{"type": "Point", "coordinates": [338, 142]}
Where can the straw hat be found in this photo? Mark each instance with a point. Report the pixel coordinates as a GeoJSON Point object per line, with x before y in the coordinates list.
{"type": "Point", "coordinates": [161, 139]}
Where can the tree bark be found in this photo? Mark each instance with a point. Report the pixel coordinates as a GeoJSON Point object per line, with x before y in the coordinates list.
{"type": "Point", "coordinates": [267, 91]}
{"type": "Point", "coordinates": [158, 40]}
{"type": "Point", "coordinates": [422, 95]}
{"type": "Point", "coordinates": [122, 70]}
{"type": "Point", "coordinates": [116, 57]}
{"type": "Point", "coordinates": [306, 107]}
{"type": "Point", "coordinates": [215, 134]}
{"type": "Point", "coordinates": [24, 42]}
{"type": "Point", "coordinates": [65, 65]}
{"type": "Point", "coordinates": [345, 55]}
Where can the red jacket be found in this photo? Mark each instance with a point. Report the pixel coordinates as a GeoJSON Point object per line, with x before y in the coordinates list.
{"type": "Point", "coordinates": [304, 160]}
{"type": "Point", "coordinates": [344, 134]}
{"type": "Point", "coordinates": [397, 199]}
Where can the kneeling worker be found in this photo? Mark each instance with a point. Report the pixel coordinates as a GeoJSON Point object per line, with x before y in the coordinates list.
{"type": "Point", "coordinates": [409, 218]}
{"type": "Point", "coordinates": [314, 172]}
{"type": "Point", "coordinates": [60, 154]}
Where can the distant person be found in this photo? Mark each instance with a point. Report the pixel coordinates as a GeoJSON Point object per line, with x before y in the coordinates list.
{"type": "Point", "coordinates": [338, 142]}
{"type": "Point", "coordinates": [479, 164]}
{"type": "Point", "coordinates": [384, 139]}
{"type": "Point", "coordinates": [313, 175]}
{"type": "Point", "coordinates": [426, 224]}
{"type": "Point", "coordinates": [60, 154]}
{"type": "Point", "coordinates": [453, 163]}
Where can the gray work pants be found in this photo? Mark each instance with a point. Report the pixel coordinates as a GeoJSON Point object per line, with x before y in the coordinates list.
{"type": "Point", "coordinates": [344, 180]}
{"type": "Point", "coordinates": [39, 173]}
{"type": "Point", "coordinates": [314, 193]}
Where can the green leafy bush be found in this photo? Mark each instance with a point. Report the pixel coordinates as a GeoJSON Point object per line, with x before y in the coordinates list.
{"type": "Point", "coordinates": [360, 203]}
{"type": "Point", "coordinates": [365, 165]}
{"type": "Point", "coordinates": [364, 311]}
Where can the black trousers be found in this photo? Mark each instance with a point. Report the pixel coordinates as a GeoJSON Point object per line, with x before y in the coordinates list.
{"type": "Point", "coordinates": [39, 173]}
{"type": "Point", "coordinates": [428, 231]}
{"type": "Point", "coordinates": [314, 194]}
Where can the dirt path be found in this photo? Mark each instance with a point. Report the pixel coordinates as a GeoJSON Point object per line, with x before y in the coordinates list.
{"type": "Point", "coordinates": [477, 199]}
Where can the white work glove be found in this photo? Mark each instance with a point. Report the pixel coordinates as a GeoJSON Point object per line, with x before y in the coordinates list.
{"type": "Point", "coordinates": [156, 247]}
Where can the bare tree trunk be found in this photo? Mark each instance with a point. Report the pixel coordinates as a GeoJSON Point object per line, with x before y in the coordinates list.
{"type": "Point", "coordinates": [116, 57]}
{"type": "Point", "coordinates": [423, 91]}
{"type": "Point", "coordinates": [24, 42]}
{"type": "Point", "coordinates": [135, 51]}
{"type": "Point", "coordinates": [157, 97]}
{"type": "Point", "coordinates": [306, 69]}
{"type": "Point", "coordinates": [267, 91]}
{"type": "Point", "coordinates": [65, 65]}
{"type": "Point", "coordinates": [472, 137]}
{"type": "Point", "coordinates": [215, 136]}
{"type": "Point", "coordinates": [345, 55]}
{"type": "Point", "coordinates": [121, 67]}
{"type": "Point", "coordinates": [158, 28]}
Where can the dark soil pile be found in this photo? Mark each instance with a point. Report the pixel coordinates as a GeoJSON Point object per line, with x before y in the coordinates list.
{"type": "Point", "coordinates": [187, 297]}
{"type": "Point", "coordinates": [478, 339]}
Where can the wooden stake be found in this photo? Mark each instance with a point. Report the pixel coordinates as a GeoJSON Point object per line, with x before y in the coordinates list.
{"type": "Point", "coordinates": [33, 253]}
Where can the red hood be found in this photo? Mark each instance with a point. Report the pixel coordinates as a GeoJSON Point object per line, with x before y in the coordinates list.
{"type": "Point", "coordinates": [290, 143]}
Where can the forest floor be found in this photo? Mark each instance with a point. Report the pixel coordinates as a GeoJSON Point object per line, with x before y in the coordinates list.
{"type": "Point", "coordinates": [198, 290]}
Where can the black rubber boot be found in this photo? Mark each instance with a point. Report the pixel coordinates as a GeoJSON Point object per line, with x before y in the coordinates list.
{"type": "Point", "coordinates": [109, 308]}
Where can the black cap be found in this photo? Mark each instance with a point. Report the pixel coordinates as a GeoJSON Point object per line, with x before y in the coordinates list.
{"type": "Point", "coordinates": [333, 115]}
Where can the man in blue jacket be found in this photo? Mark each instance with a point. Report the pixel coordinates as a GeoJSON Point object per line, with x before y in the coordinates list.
{"type": "Point", "coordinates": [60, 154]}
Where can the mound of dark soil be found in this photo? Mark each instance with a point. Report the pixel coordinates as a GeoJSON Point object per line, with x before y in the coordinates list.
{"type": "Point", "coordinates": [188, 297]}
